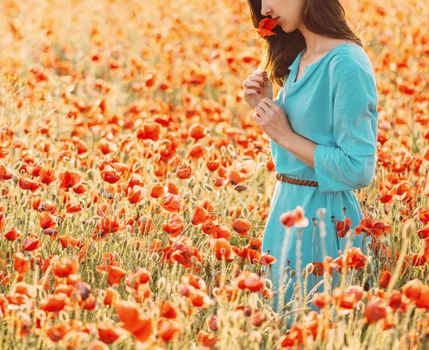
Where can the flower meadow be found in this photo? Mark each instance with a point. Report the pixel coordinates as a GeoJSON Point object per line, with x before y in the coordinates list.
{"type": "Point", "coordinates": [134, 184]}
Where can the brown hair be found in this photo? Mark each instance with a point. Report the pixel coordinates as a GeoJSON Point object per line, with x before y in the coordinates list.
{"type": "Point", "coordinates": [319, 16]}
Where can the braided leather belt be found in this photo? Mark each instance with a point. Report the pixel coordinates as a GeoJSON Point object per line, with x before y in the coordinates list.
{"type": "Point", "coordinates": [284, 178]}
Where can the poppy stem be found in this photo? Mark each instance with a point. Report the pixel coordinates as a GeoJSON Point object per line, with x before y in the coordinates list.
{"type": "Point", "coordinates": [321, 213]}
{"type": "Point", "coordinates": [409, 227]}
{"type": "Point", "coordinates": [282, 267]}
{"type": "Point", "coordinates": [298, 263]}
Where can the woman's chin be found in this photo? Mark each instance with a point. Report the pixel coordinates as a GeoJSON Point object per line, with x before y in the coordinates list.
{"type": "Point", "coordinates": [284, 27]}
{"type": "Point", "coordinates": [288, 29]}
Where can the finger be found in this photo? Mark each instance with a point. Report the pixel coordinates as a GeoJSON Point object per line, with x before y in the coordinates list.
{"type": "Point", "coordinates": [249, 84]}
{"type": "Point", "coordinates": [255, 84]}
{"type": "Point", "coordinates": [256, 117]}
{"type": "Point", "coordinates": [260, 110]}
{"type": "Point", "coordinates": [248, 92]}
{"type": "Point", "coordinates": [258, 78]}
{"type": "Point", "coordinates": [260, 72]}
{"type": "Point", "coordinates": [262, 76]}
{"type": "Point", "coordinates": [266, 106]}
{"type": "Point", "coordinates": [268, 102]}
{"type": "Point", "coordinates": [252, 91]}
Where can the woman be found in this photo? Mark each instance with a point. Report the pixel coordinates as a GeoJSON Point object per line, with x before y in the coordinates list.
{"type": "Point", "coordinates": [322, 128]}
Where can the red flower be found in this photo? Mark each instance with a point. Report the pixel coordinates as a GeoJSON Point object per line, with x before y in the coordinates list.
{"type": "Point", "coordinates": [423, 233]}
{"type": "Point", "coordinates": [110, 175]}
{"type": "Point", "coordinates": [250, 281]}
{"type": "Point", "coordinates": [133, 320]}
{"type": "Point", "coordinates": [343, 226]}
{"type": "Point", "coordinates": [375, 310]}
{"type": "Point", "coordinates": [265, 27]}
{"type": "Point", "coordinates": [27, 184]}
{"type": "Point", "coordinates": [353, 258]}
{"type": "Point", "coordinates": [5, 173]}
{"type": "Point", "coordinates": [115, 274]}
{"type": "Point", "coordinates": [266, 259]}
{"type": "Point", "coordinates": [288, 219]}
{"type": "Point", "coordinates": [295, 218]}
{"type": "Point", "coordinates": [69, 179]}
{"type": "Point", "coordinates": [31, 243]}
{"type": "Point", "coordinates": [384, 278]}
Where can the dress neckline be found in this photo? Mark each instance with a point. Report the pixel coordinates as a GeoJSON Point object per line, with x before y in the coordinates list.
{"type": "Point", "coordinates": [291, 85]}
{"type": "Point", "coordinates": [307, 67]}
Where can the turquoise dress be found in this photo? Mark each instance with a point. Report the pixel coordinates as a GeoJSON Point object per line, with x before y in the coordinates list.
{"type": "Point", "coordinates": [333, 104]}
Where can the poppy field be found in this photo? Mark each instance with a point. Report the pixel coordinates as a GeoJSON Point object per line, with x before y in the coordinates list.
{"type": "Point", "coordinates": [134, 184]}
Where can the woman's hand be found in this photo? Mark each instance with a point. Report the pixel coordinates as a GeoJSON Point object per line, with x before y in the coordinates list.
{"type": "Point", "coordinates": [272, 119]}
{"type": "Point", "coordinates": [256, 87]}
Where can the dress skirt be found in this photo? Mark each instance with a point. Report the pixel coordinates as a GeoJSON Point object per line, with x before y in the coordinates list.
{"type": "Point", "coordinates": [286, 198]}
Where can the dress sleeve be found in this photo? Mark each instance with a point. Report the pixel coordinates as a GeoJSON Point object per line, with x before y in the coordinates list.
{"type": "Point", "coordinates": [350, 164]}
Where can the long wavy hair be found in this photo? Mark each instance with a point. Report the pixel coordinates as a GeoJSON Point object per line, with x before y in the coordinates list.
{"type": "Point", "coordinates": [324, 17]}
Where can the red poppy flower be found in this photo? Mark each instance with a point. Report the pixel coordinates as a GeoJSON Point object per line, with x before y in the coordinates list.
{"type": "Point", "coordinates": [250, 281]}
{"type": "Point", "coordinates": [133, 320]}
{"type": "Point", "coordinates": [375, 310]}
{"type": "Point", "coordinates": [107, 332]}
{"type": "Point", "coordinates": [265, 27]}
{"type": "Point", "coordinates": [21, 263]}
{"type": "Point", "coordinates": [200, 215]}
